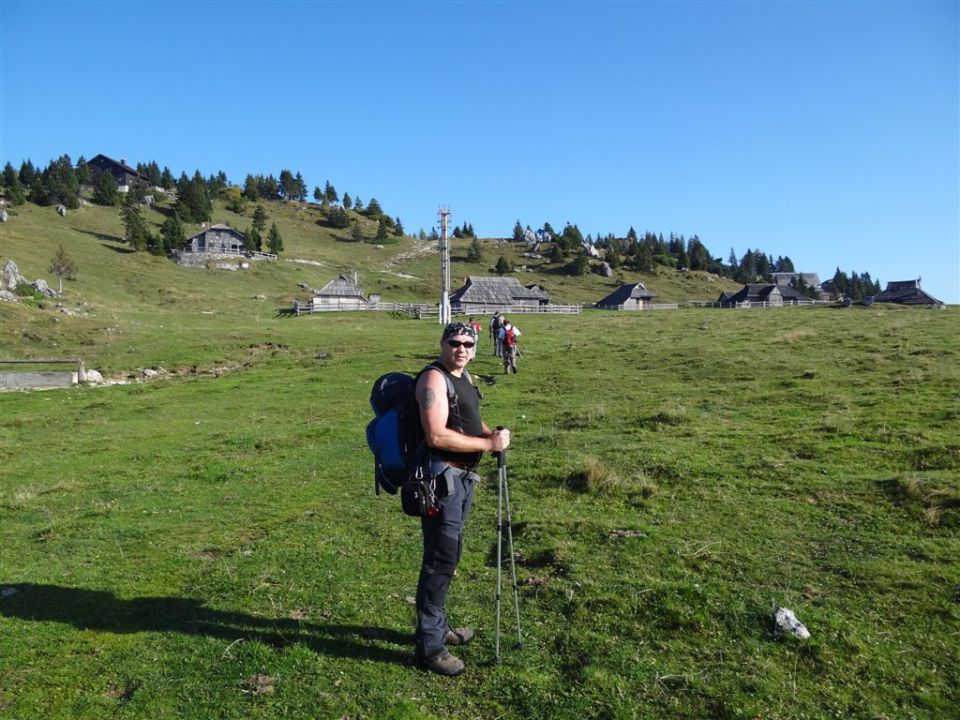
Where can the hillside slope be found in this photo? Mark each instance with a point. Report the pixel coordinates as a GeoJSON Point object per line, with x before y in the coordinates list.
{"type": "Point", "coordinates": [122, 299]}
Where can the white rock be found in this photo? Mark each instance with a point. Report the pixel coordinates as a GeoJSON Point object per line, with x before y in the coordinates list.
{"type": "Point", "coordinates": [94, 377]}
{"type": "Point", "coordinates": [787, 624]}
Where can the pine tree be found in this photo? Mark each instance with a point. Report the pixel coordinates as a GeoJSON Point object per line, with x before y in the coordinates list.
{"type": "Point", "coordinates": [259, 219]}
{"type": "Point", "coordinates": [166, 179]}
{"type": "Point", "coordinates": [356, 232]}
{"type": "Point", "coordinates": [105, 189]}
{"type": "Point", "coordinates": [60, 183]}
{"type": "Point", "coordinates": [317, 193]}
{"type": "Point", "coordinates": [172, 233]}
{"type": "Point", "coordinates": [381, 231]}
{"type": "Point", "coordinates": [301, 187]}
{"type": "Point", "coordinates": [502, 266]}
{"type": "Point", "coordinates": [251, 188]}
{"type": "Point", "coordinates": [62, 266]}
{"type": "Point", "coordinates": [358, 204]}
{"type": "Point", "coordinates": [274, 241]}
{"type": "Point", "coordinates": [517, 232]}
{"type": "Point", "coordinates": [15, 192]}
{"type": "Point", "coordinates": [28, 174]}
{"type": "Point", "coordinates": [347, 202]}
{"type": "Point", "coordinates": [9, 174]}
{"type": "Point", "coordinates": [83, 171]}
{"type": "Point", "coordinates": [398, 227]}
{"type": "Point", "coordinates": [137, 235]}
{"type": "Point", "coordinates": [373, 209]}
{"type": "Point", "coordinates": [330, 193]}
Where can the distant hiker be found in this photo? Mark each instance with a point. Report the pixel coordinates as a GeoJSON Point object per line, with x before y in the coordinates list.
{"type": "Point", "coordinates": [476, 328]}
{"type": "Point", "coordinates": [456, 439]}
{"type": "Point", "coordinates": [508, 341]}
{"type": "Point", "coordinates": [495, 323]}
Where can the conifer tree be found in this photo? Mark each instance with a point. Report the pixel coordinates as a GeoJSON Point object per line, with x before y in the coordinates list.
{"type": "Point", "coordinates": [28, 174]}
{"type": "Point", "coordinates": [517, 232]}
{"type": "Point", "coordinates": [9, 174]}
{"type": "Point", "coordinates": [274, 241]}
{"type": "Point", "coordinates": [317, 193]}
{"type": "Point", "coordinates": [15, 192]}
{"type": "Point", "coordinates": [502, 266]}
{"type": "Point", "coordinates": [83, 171]}
{"type": "Point", "coordinates": [347, 202]}
{"type": "Point", "coordinates": [137, 235]}
{"type": "Point", "coordinates": [172, 233]}
{"type": "Point", "coordinates": [105, 189]}
{"type": "Point", "coordinates": [373, 209]}
{"type": "Point", "coordinates": [259, 219]}
{"type": "Point", "coordinates": [330, 192]}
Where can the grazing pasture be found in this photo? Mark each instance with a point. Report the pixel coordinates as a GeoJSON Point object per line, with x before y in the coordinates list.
{"type": "Point", "coordinates": [208, 544]}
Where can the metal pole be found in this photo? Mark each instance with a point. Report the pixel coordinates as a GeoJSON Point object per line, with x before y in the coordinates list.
{"type": "Point", "coordinates": [500, 479]}
{"type": "Point", "coordinates": [513, 567]}
{"type": "Point", "coordinates": [445, 315]}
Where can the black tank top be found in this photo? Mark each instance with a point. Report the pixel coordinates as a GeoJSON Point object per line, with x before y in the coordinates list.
{"type": "Point", "coordinates": [464, 418]}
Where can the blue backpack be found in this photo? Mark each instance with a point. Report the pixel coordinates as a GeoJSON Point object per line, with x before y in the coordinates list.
{"type": "Point", "coordinates": [395, 435]}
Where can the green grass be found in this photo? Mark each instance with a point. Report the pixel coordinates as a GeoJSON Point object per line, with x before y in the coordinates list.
{"type": "Point", "coordinates": [208, 544]}
{"type": "Point", "coordinates": [673, 474]}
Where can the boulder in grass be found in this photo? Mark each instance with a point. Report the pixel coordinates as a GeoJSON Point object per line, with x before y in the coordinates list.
{"type": "Point", "coordinates": [786, 623]}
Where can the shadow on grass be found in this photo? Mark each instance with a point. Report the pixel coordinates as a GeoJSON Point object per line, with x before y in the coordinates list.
{"type": "Point", "coordinates": [102, 610]}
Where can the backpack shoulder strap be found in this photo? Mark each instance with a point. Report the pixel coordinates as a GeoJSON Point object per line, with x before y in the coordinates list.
{"type": "Point", "coordinates": [451, 390]}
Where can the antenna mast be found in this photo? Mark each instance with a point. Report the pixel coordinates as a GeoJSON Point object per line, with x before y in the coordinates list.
{"type": "Point", "coordinates": [445, 313]}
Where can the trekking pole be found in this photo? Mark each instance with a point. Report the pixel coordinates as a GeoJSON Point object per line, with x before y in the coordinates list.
{"type": "Point", "coordinates": [513, 566]}
{"type": "Point", "coordinates": [500, 479]}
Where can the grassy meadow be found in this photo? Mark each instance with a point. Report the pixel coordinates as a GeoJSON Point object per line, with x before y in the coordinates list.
{"type": "Point", "coordinates": [208, 544]}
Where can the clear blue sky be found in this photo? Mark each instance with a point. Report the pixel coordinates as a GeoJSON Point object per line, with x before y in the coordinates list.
{"type": "Point", "coordinates": [828, 132]}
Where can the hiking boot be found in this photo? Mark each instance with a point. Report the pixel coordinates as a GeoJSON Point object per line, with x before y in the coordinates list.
{"type": "Point", "coordinates": [443, 663]}
{"type": "Point", "coordinates": [458, 636]}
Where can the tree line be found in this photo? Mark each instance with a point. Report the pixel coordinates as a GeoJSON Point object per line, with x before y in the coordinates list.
{"type": "Point", "coordinates": [62, 180]}
{"type": "Point", "coordinates": [651, 250]}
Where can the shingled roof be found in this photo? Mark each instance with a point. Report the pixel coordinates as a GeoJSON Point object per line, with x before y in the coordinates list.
{"type": "Point", "coordinates": [624, 293]}
{"type": "Point", "coordinates": [906, 292]}
{"type": "Point", "coordinates": [760, 293]}
{"type": "Point", "coordinates": [340, 287]}
{"type": "Point", "coordinates": [496, 291]}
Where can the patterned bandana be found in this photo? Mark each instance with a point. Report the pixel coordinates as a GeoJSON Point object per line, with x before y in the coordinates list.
{"type": "Point", "coordinates": [458, 328]}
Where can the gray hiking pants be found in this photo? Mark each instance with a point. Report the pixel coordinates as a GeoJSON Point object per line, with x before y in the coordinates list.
{"type": "Point", "coordinates": [442, 547]}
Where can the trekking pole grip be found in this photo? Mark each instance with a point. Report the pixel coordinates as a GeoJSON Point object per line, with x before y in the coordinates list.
{"type": "Point", "coordinates": [502, 455]}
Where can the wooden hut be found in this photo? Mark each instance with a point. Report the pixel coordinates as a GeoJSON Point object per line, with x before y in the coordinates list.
{"type": "Point", "coordinates": [907, 292]}
{"type": "Point", "coordinates": [341, 293]}
{"type": "Point", "coordinates": [762, 294]}
{"type": "Point", "coordinates": [481, 294]}
{"type": "Point", "coordinates": [627, 297]}
{"type": "Point", "coordinates": [217, 240]}
{"type": "Point", "coordinates": [123, 173]}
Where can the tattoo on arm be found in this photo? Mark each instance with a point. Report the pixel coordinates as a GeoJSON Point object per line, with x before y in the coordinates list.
{"type": "Point", "coordinates": [428, 398]}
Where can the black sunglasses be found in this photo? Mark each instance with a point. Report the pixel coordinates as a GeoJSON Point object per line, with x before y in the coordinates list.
{"type": "Point", "coordinates": [457, 343]}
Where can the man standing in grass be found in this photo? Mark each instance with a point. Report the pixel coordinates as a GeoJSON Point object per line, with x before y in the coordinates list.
{"type": "Point", "coordinates": [456, 438]}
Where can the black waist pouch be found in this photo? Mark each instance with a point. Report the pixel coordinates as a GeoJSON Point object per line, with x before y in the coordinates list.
{"type": "Point", "coordinates": [419, 498]}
